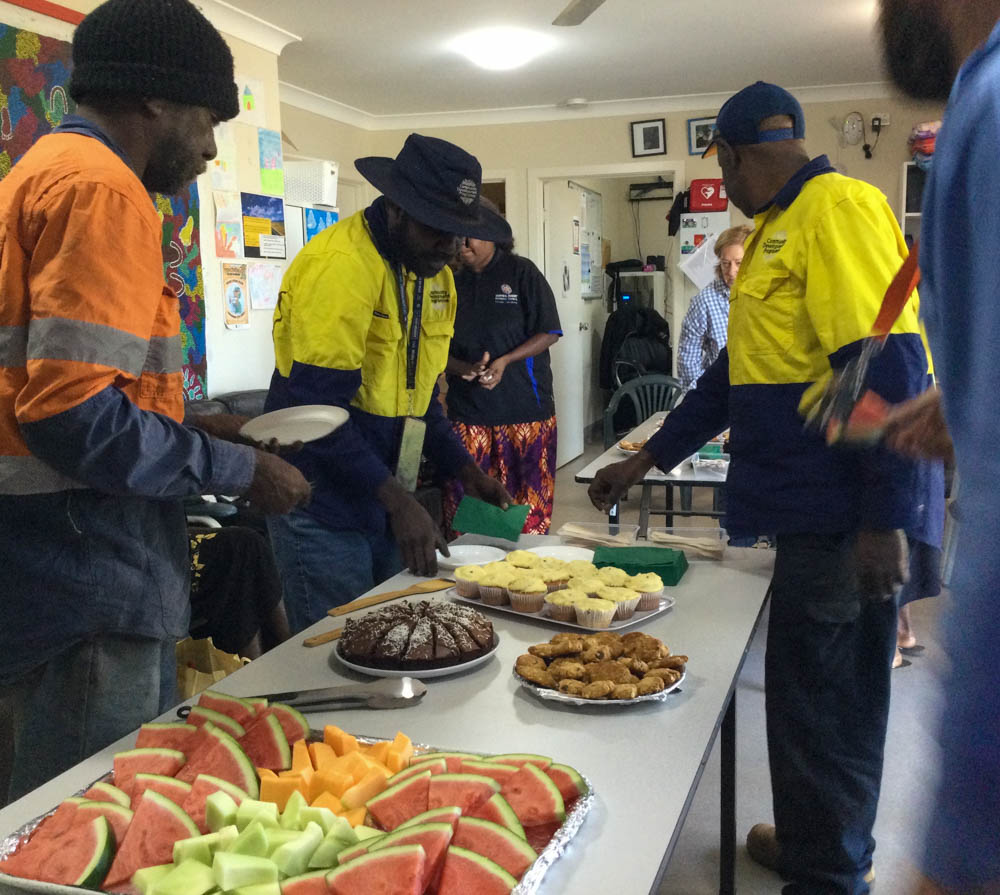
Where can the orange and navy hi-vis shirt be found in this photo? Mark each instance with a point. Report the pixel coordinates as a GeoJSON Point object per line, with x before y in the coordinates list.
{"type": "Point", "coordinates": [90, 335]}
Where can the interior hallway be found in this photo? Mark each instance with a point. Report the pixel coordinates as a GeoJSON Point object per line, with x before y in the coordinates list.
{"type": "Point", "coordinates": [911, 751]}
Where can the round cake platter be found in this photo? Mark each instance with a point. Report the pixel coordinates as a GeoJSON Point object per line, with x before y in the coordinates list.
{"type": "Point", "coordinates": [551, 695]}
{"type": "Point", "coordinates": [419, 673]}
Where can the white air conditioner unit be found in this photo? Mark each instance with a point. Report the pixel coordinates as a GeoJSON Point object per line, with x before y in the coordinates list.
{"type": "Point", "coordinates": [311, 182]}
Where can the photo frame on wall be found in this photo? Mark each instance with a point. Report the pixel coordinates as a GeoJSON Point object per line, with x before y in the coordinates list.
{"type": "Point", "coordinates": [649, 137]}
{"type": "Point", "coordinates": [699, 134]}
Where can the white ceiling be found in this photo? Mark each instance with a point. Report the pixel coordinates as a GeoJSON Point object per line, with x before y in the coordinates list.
{"type": "Point", "coordinates": [387, 58]}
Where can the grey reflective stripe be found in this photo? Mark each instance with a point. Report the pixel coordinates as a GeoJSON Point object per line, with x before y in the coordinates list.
{"type": "Point", "coordinates": [29, 475]}
{"type": "Point", "coordinates": [13, 346]}
{"type": "Point", "coordinates": [166, 355]}
{"type": "Point", "coordinates": [57, 338]}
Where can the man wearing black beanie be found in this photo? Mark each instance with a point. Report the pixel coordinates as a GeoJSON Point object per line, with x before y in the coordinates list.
{"type": "Point", "coordinates": [94, 459]}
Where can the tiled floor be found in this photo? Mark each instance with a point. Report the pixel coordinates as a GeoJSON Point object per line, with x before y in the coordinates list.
{"type": "Point", "coordinates": [911, 753]}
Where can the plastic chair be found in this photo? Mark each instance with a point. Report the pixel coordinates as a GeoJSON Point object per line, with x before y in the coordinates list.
{"type": "Point", "coordinates": [648, 395]}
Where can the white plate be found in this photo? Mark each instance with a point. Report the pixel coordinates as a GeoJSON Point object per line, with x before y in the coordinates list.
{"type": "Point", "coordinates": [290, 424]}
{"type": "Point", "coordinates": [421, 674]}
{"type": "Point", "coordinates": [626, 450]}
{"type": "Point", "coordinates": [556, 696]}
{"type": "Point", "coordinates": [469, 555]}
{"type": "Point", "coordinates": [666, 603]}
{"type": "Point", "coordinates": [567, 554]}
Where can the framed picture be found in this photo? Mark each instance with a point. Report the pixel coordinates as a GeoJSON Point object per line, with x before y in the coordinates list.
{"type": "Point", "coordinates": [699, 134]}
{"type": "Point", "coordinates": [649, 137]}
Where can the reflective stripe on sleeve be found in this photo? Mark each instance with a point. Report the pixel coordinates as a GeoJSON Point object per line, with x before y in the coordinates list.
{"type": "Point", "coordinates": [59, 338]}
{"type": "Point", "coordinates": [29, 475]}
{"type": "Point", "coordinates": [166, 355]}
{"type": "Point", "coordinates": [13, 346]}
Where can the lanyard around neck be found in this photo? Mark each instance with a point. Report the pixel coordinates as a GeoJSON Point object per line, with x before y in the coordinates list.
{"type": "Point", "coordinates": [413, 341]}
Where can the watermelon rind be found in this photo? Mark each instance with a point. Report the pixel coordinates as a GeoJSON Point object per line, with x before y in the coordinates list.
{"type": "Point", "coordinates": [568, 780]}
{"type": "Point", "coordinates": [497, 770]}
{"type": "Point", "coordinates": [103, 850]}
{"type": "Point", "coordinates": [446, 814]}
{"type": "Point", "coordinates": [187, 878]}
{"type": "Point", "coordinates": [266, 744]}
{"type": "Point", "coordinates": [145, 761]}
{"type": "Point", "coordinates": [106, 792]}
{"type": "Point", "coordinates": [234, 870]}
{"type": "Point", "coordinates": [389, 816]}
{"type": "Point", "coordinates": [174, 789]}
{"type": "Point", "coordinates": [117, 815]}
{"type": "Point", "coordinates": [359, 868]}
{"type": "Point", "coordinates": [167, 735]}
{"type": "Point", "coordinates": [440, 790]}
{"type": "Point", "coordinates": [436, 766]}
{"type": "Point", "coordinates": [220, 755]}
{"type": "Point", "coordinates": [305, 883]}
{"type": "Point", "coordinates": [453, 759]}
{"type": "Point", "coordinates": [240, 710]}
{"type": "Point", "coordinates": [522, 758]}
{"type": "Point", "coordinates": [497, 843]}
{"type": "Point", "coordinates": [199, 714]}
{"type": "Point", "coordinates": [534, 797]}
{"type": "Point", "coordinates": [292, 721]}
{"type": "Point", "coordinates": [498, 810]}
{"type": "Point", "coordinates": [452, 882]}
{"type": "Point", "coordinates": [440, 838]}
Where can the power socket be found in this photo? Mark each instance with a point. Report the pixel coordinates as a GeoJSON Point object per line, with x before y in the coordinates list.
{"type": "Point", "coordinates": [880, 120]}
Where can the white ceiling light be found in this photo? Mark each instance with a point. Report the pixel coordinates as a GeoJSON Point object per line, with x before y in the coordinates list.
{"type": "Point", "coordinates": [501, 48]}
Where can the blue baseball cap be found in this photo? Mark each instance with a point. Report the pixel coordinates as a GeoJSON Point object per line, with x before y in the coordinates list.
{"type": "Point", "coordinates": [739, 118]}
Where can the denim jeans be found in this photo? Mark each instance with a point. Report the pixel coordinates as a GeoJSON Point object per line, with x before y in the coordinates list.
{"type": "Point", "coordinates": [322, 568]}
{"type": "Point", "coordinates": [80, 701]}
{"type": "Point", "coordinates": [829, 655]}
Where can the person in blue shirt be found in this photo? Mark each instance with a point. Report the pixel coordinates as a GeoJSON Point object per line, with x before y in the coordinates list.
{"type": "Point", "coordinates": [950, 50]}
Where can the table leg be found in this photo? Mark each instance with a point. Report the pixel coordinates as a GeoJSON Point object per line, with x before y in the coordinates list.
{"type": "Point", "coordinates": [727, 821]}
{"type": "Point", "coordinates": [647, 493]}
{"type": "Point", "coordinates": [669, 498]}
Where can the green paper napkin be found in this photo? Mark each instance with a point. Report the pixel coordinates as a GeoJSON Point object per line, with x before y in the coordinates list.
{"type": "Point", "coordinates": [669, 564]}
{"type": "Point", "coordinates": [480, 518]}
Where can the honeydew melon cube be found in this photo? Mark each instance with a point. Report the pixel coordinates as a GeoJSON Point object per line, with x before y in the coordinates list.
{"type": "Point", "coordinates": [259, 889]}
{"type": "Point", "coordinates": [250, 810]}
{"type": "Point", "coordinates": [145, 878]}
{"type": "Point", "coordinates": [220, 810]}
{"type": "Point", "coordinates": [278, 838]}
{"type": "Point", "coordinates": [292, 858]}
{"type": "Point", "coordinates": [290, 816]}
{"type": "Point", "coordinates": [324, 817]}
{"type": "Point", "coordinates": [190, 877]}
{"type": "Point", "coordinates": [233, 870]}
{"type": "Point", "coordinates": [252, 841]}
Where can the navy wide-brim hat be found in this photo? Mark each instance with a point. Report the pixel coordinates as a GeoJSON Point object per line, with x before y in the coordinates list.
{"type": "Point", "coordinates": [437, 183]}
{"type": "Point", "coordinates": [738, 119]}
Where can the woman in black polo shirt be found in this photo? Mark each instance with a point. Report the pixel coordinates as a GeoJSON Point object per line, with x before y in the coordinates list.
{"type": "Point", "coordinates": [499, 376]}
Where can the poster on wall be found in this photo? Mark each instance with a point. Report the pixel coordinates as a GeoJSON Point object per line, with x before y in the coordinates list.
{"type": "Point", "coordinates": [263, 226]}
{"type": "Point", "coordinates": [34, 72]}
{"type": "Point", "coordinates": [222, 169]}
{"type": "Point", "coordinates": [265, 283]}
{"type": "Point", "coordinates": [318, 219]}
{"type": "Point", "coordinates": [228, 224]}
{"type": "Point", "coordinates": [272, 165]}
{"type": "Point", "coordinates": [236, 306]}
{"type": "Point", "coordinates": [182, 271]}
{"type": "Point", "coordinates": [252, 101]}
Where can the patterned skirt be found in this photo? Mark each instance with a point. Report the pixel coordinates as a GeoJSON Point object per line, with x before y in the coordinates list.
{"type": "Point", "coordinates": [522, 456]}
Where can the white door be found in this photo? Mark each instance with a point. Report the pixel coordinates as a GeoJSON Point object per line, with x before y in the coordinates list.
{"type": "Point", "coordinates": [562, 270]}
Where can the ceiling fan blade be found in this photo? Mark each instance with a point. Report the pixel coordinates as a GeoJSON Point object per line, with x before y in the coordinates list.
{"type": "Point", "coordinates": [576, 11]}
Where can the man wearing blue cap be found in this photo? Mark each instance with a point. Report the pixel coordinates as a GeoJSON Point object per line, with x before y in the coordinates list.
{"type": "Point", "coordinates": [823, 252]}
{"type": "Point", "coordinates": [365, 320]}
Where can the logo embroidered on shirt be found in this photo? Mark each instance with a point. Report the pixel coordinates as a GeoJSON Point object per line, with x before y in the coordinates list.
{"type": "Point", "coordinates": [776, 243]}
{"type": "Point", "coordinates": [439, 296]}
{"type": "Point", "coordinates": [381, 314]}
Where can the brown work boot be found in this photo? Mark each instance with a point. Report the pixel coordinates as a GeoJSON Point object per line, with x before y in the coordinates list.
{"type": "Point", "coordinates": [763, 847]}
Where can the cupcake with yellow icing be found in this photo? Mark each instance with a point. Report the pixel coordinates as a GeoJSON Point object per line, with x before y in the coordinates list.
{"type": "Point", "coordinates": [624, 599]}
{"type": "Point", "coordinates": [580, 568]}
{"type": "Point", "coordinates": [595, 613]}
{"type": "Point", "coordinates": [523, 559]}
{"type": "Point", "coordinates": [561, 604]}
{"type": "Point", "coordinates": [555, 577]}
{"type": "Point", "coordinates": [467, 580]}
{"type": "Point", "coordinates": [650, 587]}
{"type": "Point", "coordinates": [527, 593]}
{"type": "Point", "coordinates": [493, 583]}
{"type": "Point", "coordinates": [590, 585]}
{"type": "Point", "coordinates": [613, 577]}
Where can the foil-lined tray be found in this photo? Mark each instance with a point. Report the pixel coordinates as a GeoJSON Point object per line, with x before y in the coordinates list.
{"type": "Point", "coordinates": [551, 695]}
{"type": "Point", "coordinates": [529, 884]}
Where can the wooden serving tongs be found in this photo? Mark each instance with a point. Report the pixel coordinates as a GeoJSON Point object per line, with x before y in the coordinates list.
{"type": "Point", "coordinates": [422, 587]}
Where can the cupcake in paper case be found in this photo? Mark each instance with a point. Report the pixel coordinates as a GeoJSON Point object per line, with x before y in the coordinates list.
{"type": "Point", "coordinates": [589, 585]}
{"type": "Point", "coordinates": [625, 600]}
{"type": "Point", "coordinates": [580, 568]}
{"type": "Point", "coordinates": [556, 578]}
{"type": "Point", "coordinates": [467, 580]}
{"type": "Point", "coordinates": [523, 559]}
{"type": "Point", "coordinates": [561, 604]}
{"type": "Point", "coordinates": [527, 593]}
{"type": "Point", "coordinates": [613, 577]}
{"type": "Point", "coordinates": [493, 585]}
{"type": "Point", "coordinates": [650, 587]}
{"type": "Point", "coordinates": [595, 613]}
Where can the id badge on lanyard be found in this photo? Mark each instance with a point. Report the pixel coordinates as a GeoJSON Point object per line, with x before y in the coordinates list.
{"type": "Point", "coordinates": [411, 443]}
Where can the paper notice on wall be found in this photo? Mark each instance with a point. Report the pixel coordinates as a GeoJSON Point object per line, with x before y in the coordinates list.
{"type": "Point", "coordinates": [236, 306]}
{"type": "Point", "coordinates": [699, 266]}
{"type": "Point", "coordinates": [222, 169]}
{"type": "Point", "coordinates": [272, 165]}
{"type": "Point", "coordinates": [318, 219]}
{"type": "Point", "coordinates": [263, 226]}
{"type": "Point", "coordinates": [265, 282]}
{"type": "Point", "coordinates": [252, 101]}
{"type": "Point", "coordinates": [228, 224]}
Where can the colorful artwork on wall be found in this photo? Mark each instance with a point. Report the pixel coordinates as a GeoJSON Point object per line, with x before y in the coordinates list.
{"type": "Point", "coordinates": [182, 270]}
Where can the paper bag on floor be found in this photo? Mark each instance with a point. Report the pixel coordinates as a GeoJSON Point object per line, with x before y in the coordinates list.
{"type": "Point", "coordinates": [200, 663]}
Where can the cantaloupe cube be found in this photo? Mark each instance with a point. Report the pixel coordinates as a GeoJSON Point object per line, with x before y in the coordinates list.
{"type": "Point", "coordinates": [356, 766]}
{"type": "Point", "coordinates": [356, 816]}
{"type": "Point", "coordinates": [300, 756]}
{"type": "Point", "coordinates": [330, 780]}
{"type": "Point", "coordinates": [341, 742]}
{"type": "Point", "coordinates": [370, 785]}
{"type": "Point", "coordinates": [265, 772]}
{"type": "Point", "coordinates": [322, 755]}
{"type": "Point", "coordinates": [305, 781]}
{"type": "Point", "coordinates": [396, 761]}
{"type": "Point", "coordinates": [328, 800]}
{"type": "Point", "coordinates": [378, 751]}
{"type": "Point", "coordinates": [277, 790]}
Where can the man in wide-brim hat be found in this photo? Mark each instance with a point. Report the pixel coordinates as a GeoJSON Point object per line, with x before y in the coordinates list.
{"type": "Point", "coordinates": [364, 322]}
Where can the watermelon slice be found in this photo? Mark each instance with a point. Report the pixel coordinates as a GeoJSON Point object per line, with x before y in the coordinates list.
{"type": "Point", "coordinates": [399, 803]}
{"type": "Point", "coordinates": [106, 792]}
{"type": "Point", "coordinates": [466, 791]}
{"type": "Point", "coordinates": [313, 883]}
{"type": "Point", "coordinates": [266, 745]}
{"type": "Point", "coordinates": [60, 820]}
{"type": "Point", "coordinates": [534, 797]}
{"type": "Point", "coordinates": [175, 790]}
{"type": "Point", "coordinates": [466, 872]}
{"type": "Point", "coordinates": [452, 759]}
{"type": "Point", "coordinates": [355, 851]}
{"type": "Point", "coordinates": [437, 766]}
{"type": "Point", "coordinates": [203, 786]}
{"type": "Point", "coordinates": [292, 721]}
{"type": "Point", "coordinates": [157, 824]}
{"type": "Point", "coordinates": [241, 711]}
{"type": "Point", "coordinates": [116, 815]}
{"type": "Point", "coordinates": [221, 756]}
{"type": "Point", "coordinates": [434, 839]}
{"type": "Point", "coordinates": [145, 761]}
{"type": "Point", "coordinates": [499, 772]}
{"type": "Point", "coordinates": [497, 843]}
{"type": "Point", "coordinates": [200, 716]}
{"type": "Point", "coordinates": [389, 871]}
{"type": "Point", "coordinates": [569, 782]}
{"type": "Point", "coordinates": [540, 835]}
{"type": "Point", "coordinates": [522, 758]}
{"type": "Point", "coordinates": [175, 735]}
{"type": "Point", "coordinates": [448, 814]}
{"type": "Point", "coordinates": [80, 856]}
{"type": "Point", "coordinates": [498, 810]}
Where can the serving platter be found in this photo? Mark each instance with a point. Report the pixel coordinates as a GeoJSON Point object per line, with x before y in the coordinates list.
{"type": "Point", "coordinates": [550, 695]}
{"type": "Point", "coordinates": [420, 673]}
